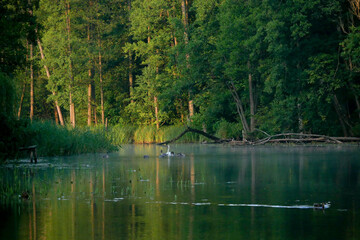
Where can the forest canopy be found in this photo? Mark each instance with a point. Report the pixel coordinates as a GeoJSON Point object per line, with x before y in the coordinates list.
{"type": "Point", "coordinates": [277, 66]}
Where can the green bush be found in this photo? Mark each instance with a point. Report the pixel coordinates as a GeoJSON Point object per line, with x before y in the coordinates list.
{"type": "Point", "coordinates": [356, 130]}
{"type": "Point", "coordinates": [227, 130]}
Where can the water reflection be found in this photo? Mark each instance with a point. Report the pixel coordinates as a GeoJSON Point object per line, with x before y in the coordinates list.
{"type": "Point", "coordinates": [215, 192]}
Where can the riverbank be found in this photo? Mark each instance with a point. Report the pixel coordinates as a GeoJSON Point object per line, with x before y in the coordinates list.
{"type": "Point", "coordinates": [55, 140]}
{"type": "Point", "coordinates": [51, 139]}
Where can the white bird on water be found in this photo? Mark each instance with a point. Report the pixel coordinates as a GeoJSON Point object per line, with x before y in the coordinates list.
{"type": "Point", "coordinates": [171, 154]}
{"type": "Point", "coordinates": [168, 153]}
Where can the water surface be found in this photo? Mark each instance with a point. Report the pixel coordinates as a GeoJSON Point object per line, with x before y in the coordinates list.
{"type": "Point", "coordinates": [214, 192]}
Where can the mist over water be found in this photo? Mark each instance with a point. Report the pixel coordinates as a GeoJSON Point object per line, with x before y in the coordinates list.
{"type": "Point", "coordinates": [214, 192]}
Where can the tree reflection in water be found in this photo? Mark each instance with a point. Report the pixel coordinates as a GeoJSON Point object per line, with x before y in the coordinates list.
{"type": "Point", "coordinates": [203, 195]}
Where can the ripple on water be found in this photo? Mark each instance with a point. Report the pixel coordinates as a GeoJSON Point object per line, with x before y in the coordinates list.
{"type": "Point", "coordinates": [241, 205]}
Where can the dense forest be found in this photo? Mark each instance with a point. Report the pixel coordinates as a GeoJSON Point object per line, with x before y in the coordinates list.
{"type": "Point", "coordinates": [278, 66]}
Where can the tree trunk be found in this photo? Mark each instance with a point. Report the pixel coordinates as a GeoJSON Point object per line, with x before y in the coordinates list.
{"type": "Point", "coordinates": [89, 102]}
{"type": "Point", "coordinates": [191, 106]}
{"type": "Point", "coordinates": [90, 87]}
{"type": "Point", "coordinates": [21, 100]}
{"type": "Point", "coordinates": [71, 77]}
{"type": "Point", "coordinates": [184, 10]}
{"type": "Point", "coordinates": [156, 112]}
{"type": "Point", "coordinates": [357, 105]}
{"type": "Point", "coordinates": [131, 80]}
{"type": "Point", "coordinates": [101, 89]}
{"type": "Point", "coordinates": [355, 7]}
{"type": "Point", "coordinates": [48, 76]}
{"type": "Point", "coordinates": [24, 87]}
{"type": "Point", "coordinates": [339, 113]}
{"type": "Point", "coordinates": [239, 108]}
{"type": "Point", "coordinates": [185, 20]}
{"type": "Point", "coordinates": [252, 103]}
{"type": "Point", "coordinates": [31, 84]}
{"type": "Point", "coordinates": [131, 88]}
{"type": "Point", "coordinates": [56, 116]}
{"type": "Point", "coordinates": [93, 101]}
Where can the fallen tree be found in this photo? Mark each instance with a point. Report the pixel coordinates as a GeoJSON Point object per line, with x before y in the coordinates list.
{"type": "Point", "coordinates": [189, 129]}
{"type": "Point", "coordinates": [277, 138]}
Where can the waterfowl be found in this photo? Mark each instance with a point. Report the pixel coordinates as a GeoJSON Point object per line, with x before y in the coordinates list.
{"type": "Point", "coordinates": [162, 154]}
{"type": "Point", "coordinates": [168, 153]}
{"type": "Point", "coordinates": [180, 155]}
{"type": "Point", "coordinates": [322, 205]}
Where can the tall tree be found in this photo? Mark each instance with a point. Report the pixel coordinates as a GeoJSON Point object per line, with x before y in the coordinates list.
{"type": "Point", "coordinates": [185, 18]}
{"type": "Point", "coordinates": [57, 106]}
{"type": "Point", "coordinates": [70, 70]}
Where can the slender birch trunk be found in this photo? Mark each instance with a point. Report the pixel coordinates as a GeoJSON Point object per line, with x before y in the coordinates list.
{"type": "Point", "coordinates": [101, 88]}
{"type": "Point", "coordinates": [24, 86]}
{"type": "Point", "coordinates": [156, 112]}
{"type": "Point", "coordinates": [155, 97]}
{"type": "Point", "coordinates": [89, 102]}
{"type": "Point", "coordinates": [53, 92]}
{"type": "Point", "coordinates": [184, 10]}
{"type": "Point", "coordinates": [89, 85]}
{"type": "Point", "coordinates": [21, 100]}
{"type": "Point", "coordinates": [31, 84]}
{"type": "Point", "coordinates": [71, 77]}
{"type": "Point", "coordinates": [31, 73]}
{"type": "Point", "coordinates": [131, 79]}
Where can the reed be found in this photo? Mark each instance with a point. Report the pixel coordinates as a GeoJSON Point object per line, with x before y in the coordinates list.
{"type": "Point", "coordinates": [120, 134]}
{"type": "Point", "coordinates": [145, 134]}
{"type": "Point", "coordinates": [149, 134]}
{"type": "Point", "coordinates": [54, 140]}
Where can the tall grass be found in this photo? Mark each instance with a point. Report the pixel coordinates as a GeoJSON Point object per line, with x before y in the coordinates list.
{"type": "Point", "coordinates": [119, 134]}
{"type": "Point", "coordinates": [149, 134]}
{"type": "Point", "coordinates": [53, 140]}
{"type": "Point", "coordinates": [145, 134]}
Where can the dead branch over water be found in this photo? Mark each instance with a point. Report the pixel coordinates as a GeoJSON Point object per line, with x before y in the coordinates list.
{"type": "Point", "coordinates": [297, 138]}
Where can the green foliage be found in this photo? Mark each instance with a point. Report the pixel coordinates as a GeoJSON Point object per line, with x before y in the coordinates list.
{"type": "Point", "coordinates": [297, 60]}
{"type": "Point", "coordinates": [7, 94]}
{"type": "Point", "coordinates": [227, 130]}
{"type": "Point", "coordinates": [356, 130]}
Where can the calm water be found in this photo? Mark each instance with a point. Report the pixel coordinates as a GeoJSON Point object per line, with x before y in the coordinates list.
{"type": "Point", "coordinates": [215, 192]}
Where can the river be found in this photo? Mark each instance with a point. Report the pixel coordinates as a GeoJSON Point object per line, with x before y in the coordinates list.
{"type": "Point", "coordinates": [214, 192]}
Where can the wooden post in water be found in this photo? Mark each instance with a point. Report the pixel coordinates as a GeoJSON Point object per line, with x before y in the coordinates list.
{"type": "Point", "coordinates": [32, 151]}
